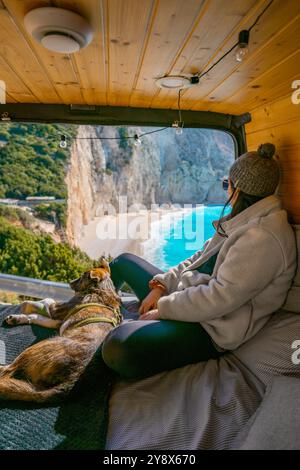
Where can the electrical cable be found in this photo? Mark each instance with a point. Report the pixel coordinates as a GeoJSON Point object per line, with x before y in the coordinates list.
{"type": "Point", "coordinates": [200, 75]}
{"type": "Point", "coordinates": [260, 15]}
{"type": "Point", "coordinates": [179, 99]}
{"type": "Point", "coordinates": [122, 138]}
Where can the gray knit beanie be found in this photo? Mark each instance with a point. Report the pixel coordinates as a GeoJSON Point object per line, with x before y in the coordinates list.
{"type": "Point", "coordinates": [256, 173]}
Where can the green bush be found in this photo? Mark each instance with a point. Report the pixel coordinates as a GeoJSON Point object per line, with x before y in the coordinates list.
{"type": "Point", "coordinates": [13, 214]}
{"type": "Point", "coordinates": [124, 142]}
{"type": "Point", "coordinates": [26, 254]}
{"type": "Point", "coordinates": [31, 162]}
{"type": "Point", "coordinates": [45, 211]}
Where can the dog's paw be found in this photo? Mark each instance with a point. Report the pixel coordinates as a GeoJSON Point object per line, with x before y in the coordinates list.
{"type": "Point", "coordinates": [28, 307]}
{"type": "Point", "coordinates": [14, 320]}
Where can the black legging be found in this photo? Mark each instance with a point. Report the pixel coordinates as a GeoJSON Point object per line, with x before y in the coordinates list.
{"type": "Point", "coordinates": [142, 348]}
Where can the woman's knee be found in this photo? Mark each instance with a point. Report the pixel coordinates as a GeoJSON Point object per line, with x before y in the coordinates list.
{"type": "Point", "coordinates": [124, 257]}
{"type": "Point", "coordinates": [124, 260]}
{"type": "Point", "coordinates": [118, 354]}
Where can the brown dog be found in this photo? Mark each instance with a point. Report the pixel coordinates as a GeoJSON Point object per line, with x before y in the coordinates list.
{"type": "Point", "coordinates": [49, 369]}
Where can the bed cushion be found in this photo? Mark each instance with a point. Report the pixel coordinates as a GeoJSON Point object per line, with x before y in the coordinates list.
{"type": "Point", "coordinates": [205, 405]}
{"type": "Point", "coordinates": [297, 235]}
{"type": "Point", "coordinates": [200, 406]}
{"type": "Point", "coordinates": [270, 352]}
{"type": "Point", "coordinates": [292, 302]}
{"type": "Point", "coordinates": [276, 423]}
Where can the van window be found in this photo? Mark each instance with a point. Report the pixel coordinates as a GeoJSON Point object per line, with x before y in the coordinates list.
{"type": "Point", "coordinates": [69, 194]}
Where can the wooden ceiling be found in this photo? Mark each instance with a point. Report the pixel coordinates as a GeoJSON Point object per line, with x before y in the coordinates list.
{"type": "Point", "coordinates": [137, 41]}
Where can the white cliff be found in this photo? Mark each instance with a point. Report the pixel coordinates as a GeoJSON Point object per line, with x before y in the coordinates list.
{"type": "Point", "coordinates": [167, 168]}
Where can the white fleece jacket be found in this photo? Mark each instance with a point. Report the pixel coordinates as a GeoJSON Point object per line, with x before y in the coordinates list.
{"type": "Point", "coordinates": [252, 275]}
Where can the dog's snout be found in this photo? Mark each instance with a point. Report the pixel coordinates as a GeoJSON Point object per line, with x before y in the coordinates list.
{"type": "Point", "coordinates": [74, 284]}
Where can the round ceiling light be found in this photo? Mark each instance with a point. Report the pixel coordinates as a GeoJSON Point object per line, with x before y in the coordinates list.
{"type": "Point", "coordinates": [58, 30]}
{"type": "Point", "coordinates": [60, 43]}
{"type": "Point", "coordinates": [173, 82]}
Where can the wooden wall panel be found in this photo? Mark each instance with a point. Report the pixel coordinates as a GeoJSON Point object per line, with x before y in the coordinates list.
{"type": "Point", "coordinates": [90, 63]}
{"type": "Point", "coordinates": [279, 123]}
{"type": "Point", "coordinates": [61, 72]}
{"type": "Point", "coordinates": [18, 91]}
{"type": "Point", "coordinates": [137, 41]}
{"type": "Point", "coordinates": [128, 29]}
{"type": "Point", "coordinates": [281, 13]}
{"type": "Point", "coordinates": [206, 39]}
{"type": "Point", "coordinates": [28, 81]}
{"type": "Point", "coordinates": [272, 58]}
{"type": "Point", "coordinates": [171, 25]}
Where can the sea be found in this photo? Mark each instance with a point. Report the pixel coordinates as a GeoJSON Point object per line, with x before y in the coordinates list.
{"type": "Point", "coordinates": [177, 236]}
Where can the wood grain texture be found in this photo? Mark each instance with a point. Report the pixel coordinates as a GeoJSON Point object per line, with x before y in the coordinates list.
{"type": "Point", "coordinates": [216, 86]}
{"type": "Point", "coordinates": [137, 41]}
{"type": "Point", "coordinates": [58, 68]}
{"type": "Point", "coordinates": [91, 63]}
{"type": "Point", "coordinates": [128, 28]}
{"type": "Point", "coordinates": [279, 123]}
{"type": "Point", "coordinates": [25, 72]}
{"type": "Point", "coordinates": [171, 25]}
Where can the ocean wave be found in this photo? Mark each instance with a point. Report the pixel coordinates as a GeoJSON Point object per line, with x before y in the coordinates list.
{"type": "Point", "coordinates": [179, 234]}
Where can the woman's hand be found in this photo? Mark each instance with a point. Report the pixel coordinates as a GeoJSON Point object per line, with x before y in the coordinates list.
{"type": "Point", "coordinates": [150, 302]}
{"type": "Point", "coordinates": [151, 315]}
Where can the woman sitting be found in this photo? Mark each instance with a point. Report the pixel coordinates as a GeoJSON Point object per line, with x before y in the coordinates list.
{"type": "Point", "coordinates": [221, 296]}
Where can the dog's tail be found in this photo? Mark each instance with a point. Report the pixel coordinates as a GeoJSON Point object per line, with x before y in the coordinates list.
{"type": "Point", "coordinates": [15, 389]}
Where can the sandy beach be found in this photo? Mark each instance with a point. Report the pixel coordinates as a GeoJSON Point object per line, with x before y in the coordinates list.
{"type": "Point", "coordinates": [132, 232]}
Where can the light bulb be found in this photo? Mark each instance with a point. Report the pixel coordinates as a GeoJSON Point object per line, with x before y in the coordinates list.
{"type": "Point", "coordinates": [241, 53]}
{"type": "Point", "coordinates": [178, 126]}
{"type": "Point", "coordinates": [5, 116]}
{"type": "Point", "coordinates": [242, 49]}
{"type": "Point", "coordinates": [137, 141]}
{"type": "Point", "coordinates": [63, 143]}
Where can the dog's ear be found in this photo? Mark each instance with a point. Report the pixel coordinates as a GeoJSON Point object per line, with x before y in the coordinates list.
{"type": "Point", "coordinates": [104, 264]}
{"type": "Point", "coordinates": [98, 273]}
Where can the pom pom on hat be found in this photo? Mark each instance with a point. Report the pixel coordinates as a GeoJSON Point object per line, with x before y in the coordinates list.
{"type": "Point", "coordinates": [266, 150]}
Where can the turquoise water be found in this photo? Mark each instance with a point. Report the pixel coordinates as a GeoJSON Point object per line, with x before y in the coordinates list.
{"type": "Point", "coordinates": [178, 238]}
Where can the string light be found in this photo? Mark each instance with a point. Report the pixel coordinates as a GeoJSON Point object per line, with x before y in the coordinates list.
{"type": "Point", "coordinates": [5, 116]}
{"type": "Point", "coordinates": [137, 138]}
{"type": "Point", "coordinates": [237, 44]}
{"type": "Point", "coordinates": [63, 142]}
{"type": "Point", "coordinates": [243, 49]}
{"type": "Point", "coordinates": [137, 141]}
{"type": "Point", "coordinates": [178, 125]}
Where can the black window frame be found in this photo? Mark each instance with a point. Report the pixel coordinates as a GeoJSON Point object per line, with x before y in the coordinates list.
{"type": "Point", "coordinates": [117, 116]}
